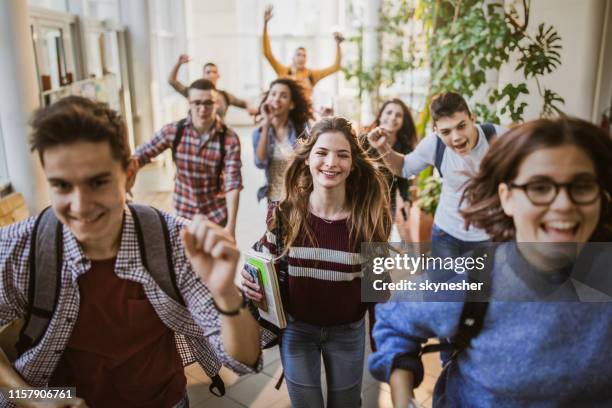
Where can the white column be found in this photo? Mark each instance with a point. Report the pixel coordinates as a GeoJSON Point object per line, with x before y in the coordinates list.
{"type": "Point", "coordinates": [135, 16]}
{"type": "Point", "coordinates": [371, 54]}
{"type": "Point", "coordinates": [19, 99]}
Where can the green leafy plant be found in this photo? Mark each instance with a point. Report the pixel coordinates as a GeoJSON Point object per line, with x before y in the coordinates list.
{"type": "Point", "coordinates": [428, 194]}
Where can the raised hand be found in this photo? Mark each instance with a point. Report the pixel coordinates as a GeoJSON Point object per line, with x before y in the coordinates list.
{"type": "Point", "coordinates": [213, 255]}
{"type": "Point", "coordinates": [378, 138]}
{"type": "Point", "coordinates": [268, 13]}
{"type": "Point", "coordinates": [338, 37]}
{"type": "Point", "coordinates": [267, 112]}
{"type": "Point", "coordinates": [183, 59]}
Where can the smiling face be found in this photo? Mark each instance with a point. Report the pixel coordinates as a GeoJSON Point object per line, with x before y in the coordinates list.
{"type": "Point", "coordinates": [392, 117]}
{"type": "Point", "coordinates": [280, 100]}
{"type": "Point", "coordinates": [458, 132]}
{"type": "Point", "coordinates": [88, 189]}
{"type": "Point", "coordinates": [561, 220]}
{"type": "Point", "coordinates": [330, 161]}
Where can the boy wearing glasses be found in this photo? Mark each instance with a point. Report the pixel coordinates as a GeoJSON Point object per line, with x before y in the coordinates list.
{"type": "Point", "coordinates": [207, 157]}
{"type": "Point", "coordinates": [456, 149]}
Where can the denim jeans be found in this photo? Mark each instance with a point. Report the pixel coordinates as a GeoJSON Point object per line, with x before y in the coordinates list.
{"type": "Point", "coordinates": [343, 351]}
{"type": "Point", "coordinates": [444, 244]}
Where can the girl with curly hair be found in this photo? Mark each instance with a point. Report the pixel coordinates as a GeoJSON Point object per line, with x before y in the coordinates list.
{"type": "Point", "coordinates": [541, 337]}
{"type": "Point", "coordinates": [335, 199]}
{"type": "Point", "coordinates": [285, 112]}
{"type": "Point", "coordinates": [394, 120]}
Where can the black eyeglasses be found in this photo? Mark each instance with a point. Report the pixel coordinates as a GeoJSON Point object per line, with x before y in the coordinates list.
{"type": "Point", "coordinates": [207, 104]}
{"type": "Point", "coordinates": [544, 192]}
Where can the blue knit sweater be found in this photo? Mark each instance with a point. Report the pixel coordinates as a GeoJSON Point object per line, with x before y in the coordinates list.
{"type": "Point", "coordinates": [540, 354]}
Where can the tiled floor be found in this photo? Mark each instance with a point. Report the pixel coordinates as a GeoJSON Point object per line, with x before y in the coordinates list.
{"type": "Point", "coordinates": [256, 391]}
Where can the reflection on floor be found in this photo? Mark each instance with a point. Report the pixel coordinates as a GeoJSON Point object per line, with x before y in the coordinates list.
{"type": "Point", "coordinates": [257, 390]}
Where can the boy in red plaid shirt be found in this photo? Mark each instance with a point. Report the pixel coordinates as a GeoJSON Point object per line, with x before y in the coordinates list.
{"type": "Point", "coordinates": [208, 179]}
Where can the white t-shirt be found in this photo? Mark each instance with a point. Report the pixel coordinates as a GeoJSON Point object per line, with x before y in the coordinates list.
{"type": "Point", "coordinates": [453, 168]}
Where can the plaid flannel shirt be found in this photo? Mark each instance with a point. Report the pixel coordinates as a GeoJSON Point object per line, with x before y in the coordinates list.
{"type": "Point", "coordinates": [197, 157]}
{"type": "Point", "coordinates": [197, 327]}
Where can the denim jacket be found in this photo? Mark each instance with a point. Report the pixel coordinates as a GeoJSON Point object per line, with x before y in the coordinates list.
{"type": "Point", "coordinates": [265, 164]}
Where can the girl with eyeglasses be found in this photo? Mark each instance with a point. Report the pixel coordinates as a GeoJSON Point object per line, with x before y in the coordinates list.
{"type": "Point", "coordinates": [544, 190]}
{"type": "Point", "coordinates": [285, 112]}
{"type": "Point", "coordinates": [335, 199]}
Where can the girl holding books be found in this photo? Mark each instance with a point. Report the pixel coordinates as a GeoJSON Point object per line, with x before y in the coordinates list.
{"type": "Point", "coordinates": [285, 112]}
{"type": "Point", "coordinates": [335, 200]}
{"type": "Point", "coordinates": [544, 191]}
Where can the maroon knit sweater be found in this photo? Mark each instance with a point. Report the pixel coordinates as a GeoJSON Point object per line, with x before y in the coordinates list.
{"type": "Point", "coordinates": [324, 276]}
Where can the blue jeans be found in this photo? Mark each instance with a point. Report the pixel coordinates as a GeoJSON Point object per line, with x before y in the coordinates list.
{"type": "Point", "coordinates": [444, 244]}
{"type": "Point", "coordinates": [343, 351]}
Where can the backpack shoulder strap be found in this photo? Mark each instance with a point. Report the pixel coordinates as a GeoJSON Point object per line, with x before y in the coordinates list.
{"type": "Point", "coordinates": [440, 148]}
{"type": "Point", "coordinates": [156, 250]}
{"type": "Point", "coordinates": [283, 272]}
{"type": "Point", "coordinates": [45, 258]}
{"type": "Point", "coordinates": [489, 130]}
{"type": "Point", "coordinates": [221, 163]}
{"type": "Point", "coordinates": [180, 129]}
{"type": "Point", "coordinates": [473, 312]}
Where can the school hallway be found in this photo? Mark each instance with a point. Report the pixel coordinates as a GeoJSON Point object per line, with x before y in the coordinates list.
{"type": "Point", "coordinates": [154, 186]}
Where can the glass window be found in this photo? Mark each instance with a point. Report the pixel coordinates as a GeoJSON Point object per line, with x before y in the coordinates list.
{"type": "Point", "coordinates": [94, 57]}
{"type": "Point", "coordinates": [57, 5]}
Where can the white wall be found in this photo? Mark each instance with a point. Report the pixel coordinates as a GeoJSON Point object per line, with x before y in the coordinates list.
{"type": "Point", "coordinates": [579, 23]}
{"type": "Point", "coordinates": [228, 33]}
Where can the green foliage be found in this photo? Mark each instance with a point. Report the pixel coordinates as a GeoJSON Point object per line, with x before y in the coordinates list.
{"type": "Point", "coordinates": [458, 41]}
{"type": "Point", "coordinates": [428, 195]}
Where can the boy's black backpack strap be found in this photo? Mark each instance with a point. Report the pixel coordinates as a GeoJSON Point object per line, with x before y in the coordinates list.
{"type": "Point", "coordinates": [156, 249]}
{"type": "Point", "coordinates": [440, 149]}
{"type": "Point", "coordinates": [489, 130]}
{"type": "Point", "coordinates": [46, 259]}
{"type": "Point", "coordinates": [283, 270]}
{"type": "Point", "coordinates": [221, 163]}
{"type": "Point", "coordinates": [180, 129]}
{"type": "Point", "coordinates": [473, 312]}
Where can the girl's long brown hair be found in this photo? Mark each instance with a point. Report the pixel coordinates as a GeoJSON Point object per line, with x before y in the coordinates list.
{"type": "Point", "coordinates": [366, 190]}
{"type": "Point", "coordinates": [502, 163]}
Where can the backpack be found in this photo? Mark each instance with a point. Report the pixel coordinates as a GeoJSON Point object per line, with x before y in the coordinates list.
{"type": "Point", "coordinates": [46, 255]}
{"type": "Point", "coordinates": [487, 128]}
{"type": "Point", "coordinates": [473, 312]}
{"type": "Point", "coordinates": [178, 136]}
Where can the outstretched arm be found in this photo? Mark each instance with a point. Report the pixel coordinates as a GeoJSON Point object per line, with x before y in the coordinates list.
{"type": "Point", "coordinates": [318, 74]}
{"type": "Point", "coordinates": [279, 68]}
{"type": "Point", "coordinates": [173, 78]}
{"type": "Point", "coordinates": [393, 160]}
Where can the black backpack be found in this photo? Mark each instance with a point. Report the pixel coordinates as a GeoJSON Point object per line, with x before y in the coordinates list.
{"type": "Point", "coordinates": [180, 129]}
{"type": "Point", "coordinates": [46, 256]}
{"type": "Point", "coordinates": [487, 128]}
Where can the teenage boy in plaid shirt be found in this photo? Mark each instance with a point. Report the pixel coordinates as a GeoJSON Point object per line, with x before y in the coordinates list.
{"type": "Point", "coordinates": [115, 335]}
{"type": "Point", "coordinates": [199, 187]}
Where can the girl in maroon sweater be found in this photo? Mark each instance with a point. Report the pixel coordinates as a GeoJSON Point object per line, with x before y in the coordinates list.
{"type": "Point", "coordinates": [335, 199]}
